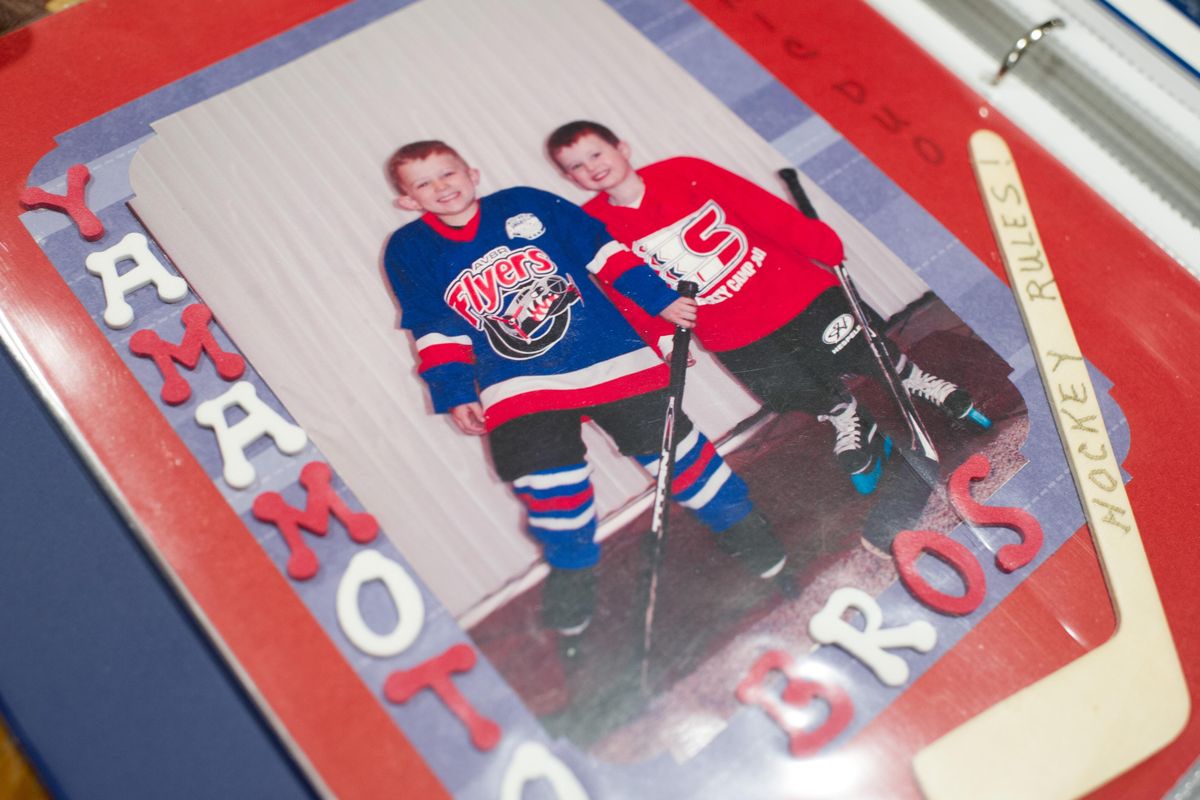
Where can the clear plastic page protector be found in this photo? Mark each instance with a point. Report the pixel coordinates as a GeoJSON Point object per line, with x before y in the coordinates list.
{"type": "Point", "coordinates": [226, 354]}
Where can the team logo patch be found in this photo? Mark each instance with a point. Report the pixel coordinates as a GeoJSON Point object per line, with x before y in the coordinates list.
{"type": "Point", "coordinates": [524, 226]}
{"type": "Point", "coordinates": [517, 298]}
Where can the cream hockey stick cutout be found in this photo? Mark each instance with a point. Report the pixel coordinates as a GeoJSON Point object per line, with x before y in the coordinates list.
{"type": "Point", "coordinates": [1113, 707]}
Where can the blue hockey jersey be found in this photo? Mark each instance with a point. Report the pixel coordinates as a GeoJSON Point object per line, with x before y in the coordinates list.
{"type": "Point", "coordinates": [504, 310]}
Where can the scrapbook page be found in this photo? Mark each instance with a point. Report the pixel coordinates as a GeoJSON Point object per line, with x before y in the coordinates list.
{"type": "Point", "coordinates": [417, 397]}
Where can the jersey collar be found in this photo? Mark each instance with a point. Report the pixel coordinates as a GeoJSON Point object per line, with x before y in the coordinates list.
{"type": "Point", "coordinates": [637, 202]}
{"type": "Point", "coordinates": [464, 234]}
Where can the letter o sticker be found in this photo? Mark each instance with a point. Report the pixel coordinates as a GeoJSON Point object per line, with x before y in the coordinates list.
{"type": "Point", "coordinates": [532, 761]}
{"type": "Point", "coordinates": [909, 545]}
{"type": "Point", "coordinates": [367, 566]}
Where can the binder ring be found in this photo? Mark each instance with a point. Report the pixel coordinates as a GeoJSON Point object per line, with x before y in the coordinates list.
{"type": "Point", "coordinates": [1018, 49]}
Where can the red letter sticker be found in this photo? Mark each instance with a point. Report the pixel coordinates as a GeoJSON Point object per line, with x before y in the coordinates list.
{"type": "Point", "coordinates": [434, 674]}
{"type": "Point", "coordinates": [197, 339]}
{"type": "Point", "coordinates": [909, 545]}
{"type": "Point", "coordinates": [72, 203]}
{"type": "Point", "coordinates": [800, 693]}
{"type": "Point", "coordinates": [316, 478]}
{"type": "Point", "coordinates": [1010, 556]}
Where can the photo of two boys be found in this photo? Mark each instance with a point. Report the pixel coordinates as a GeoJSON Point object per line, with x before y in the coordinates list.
{"type": "Point", "coordinates": [463, 271]}
{"type": "Point", "coordinates": [510, 300]}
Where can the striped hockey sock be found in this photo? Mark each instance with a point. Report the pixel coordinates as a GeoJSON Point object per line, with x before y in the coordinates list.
{"type": "Point", "coordinates": [562, 514]}
{"type": "Point", "coordinates": [704, 483]}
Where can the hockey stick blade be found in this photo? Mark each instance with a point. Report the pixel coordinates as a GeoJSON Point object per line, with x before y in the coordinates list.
{"type": "Point", "coordinates": [1079, 727]}
{"type": "Point", "coordinates": [921, 441]}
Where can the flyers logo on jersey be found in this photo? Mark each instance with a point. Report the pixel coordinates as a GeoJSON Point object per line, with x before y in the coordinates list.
{"type": "Point", "coordinates": [701, 247]}
{"type": "Point", "coordinates": [517, 299]}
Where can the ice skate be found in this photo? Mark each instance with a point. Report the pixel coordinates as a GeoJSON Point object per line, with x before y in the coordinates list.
{"type": "Point", "coordinates": [860, 447]}
{"type": "Point", "coordinates": [750, 540]}
{"type": "Point", "coordinates": [569, 600]}
{"type": "Point", "coordinates": [874, 549]}
{"type": "Point", "coordinates": [953, 401]}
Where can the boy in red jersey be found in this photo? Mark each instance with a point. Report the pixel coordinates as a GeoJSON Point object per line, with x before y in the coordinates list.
{"type": "Point", "coordinates": [776, 320]}
{"type": "Point", "coordinates": [515, 342]}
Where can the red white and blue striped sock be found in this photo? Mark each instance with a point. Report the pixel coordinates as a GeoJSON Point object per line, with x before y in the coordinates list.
{"type": "Point", "coordinates": [562, 514]}
{"type": "Point", "coordinates": [704, 483]}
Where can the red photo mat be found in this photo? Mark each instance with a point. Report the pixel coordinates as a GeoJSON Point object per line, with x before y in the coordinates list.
{"type": "Point", "coordinates": [1133, 308]}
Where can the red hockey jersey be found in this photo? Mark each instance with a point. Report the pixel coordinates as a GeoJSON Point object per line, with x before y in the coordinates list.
{"type": "Point", "coordinates": [749, 251]}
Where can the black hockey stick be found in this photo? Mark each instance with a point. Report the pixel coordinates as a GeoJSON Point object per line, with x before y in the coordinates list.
{"type": "Point", "coordinates": [921, 441]}
{"type": "Point", "coordinates": [666, 472]}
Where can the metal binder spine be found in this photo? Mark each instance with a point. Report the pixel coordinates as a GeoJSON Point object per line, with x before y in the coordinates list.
{"type": "Point", "coordinates": [1150, 134]}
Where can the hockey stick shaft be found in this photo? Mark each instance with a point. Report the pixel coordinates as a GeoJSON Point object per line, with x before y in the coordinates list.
{"type": "Point", "coordinates": [921, 440]}
{"type": "Point", "coordinates": [666, 472]}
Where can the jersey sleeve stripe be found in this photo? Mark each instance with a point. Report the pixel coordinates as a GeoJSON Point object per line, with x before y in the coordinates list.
{"type": "Point", "coordinates": [600, 260]}
{"type": "Point", "coordinates": [430, 339]}
{"type": "Point", "coordinates": [439, 354]}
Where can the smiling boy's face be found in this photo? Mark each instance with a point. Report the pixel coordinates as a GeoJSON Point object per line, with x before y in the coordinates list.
{"type": "Point", "coordinates": [441, 184]}
{"type": "Point", "coordinates": [594, 164]}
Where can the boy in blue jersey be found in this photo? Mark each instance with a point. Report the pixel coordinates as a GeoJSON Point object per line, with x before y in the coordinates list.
{"type": "Point", "coordinates": [516, 342]}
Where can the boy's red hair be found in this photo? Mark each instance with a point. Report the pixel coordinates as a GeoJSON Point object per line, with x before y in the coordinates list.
{"type": "Point", "coordinates": [416, 151]}
{"type": "Point", "coordinates": [566, 135]}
